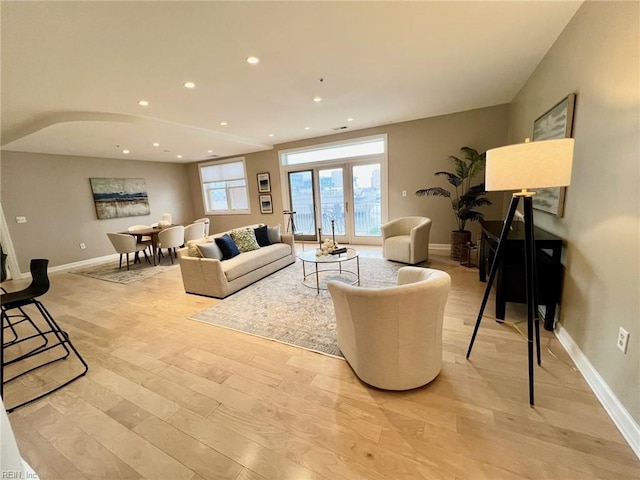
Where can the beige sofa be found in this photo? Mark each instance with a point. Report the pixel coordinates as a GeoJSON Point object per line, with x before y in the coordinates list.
{"type": "Point", "coordinates": [220, 278]}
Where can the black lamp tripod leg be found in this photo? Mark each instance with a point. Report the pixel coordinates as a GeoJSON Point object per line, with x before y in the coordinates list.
{"type": "Point", "coordinates": [532, 294]}
{"type": "Point", "coordinates": [494, 266]}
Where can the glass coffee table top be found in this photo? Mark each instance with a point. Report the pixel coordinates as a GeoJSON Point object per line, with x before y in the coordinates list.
{"type": "Point", "coordinates": [333, 265]}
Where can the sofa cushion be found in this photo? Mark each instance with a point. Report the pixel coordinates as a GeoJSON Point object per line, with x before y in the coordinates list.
{"type": "Point", "coordinates": [262, 236]}
{"type": "Point", "coordinates": [209, 250]}
{"type": "Point", "coordinates": [245, 239]}
{"type": "Point", "coordinates": [274, 234]}
{"type": "Point", "coordinates": [250, 261]}
{"type": "Point", "coordinates": [228, 248]}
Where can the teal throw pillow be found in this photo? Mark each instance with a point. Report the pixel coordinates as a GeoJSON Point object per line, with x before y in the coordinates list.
{"type": "Point", "coordinates": [245, 239]}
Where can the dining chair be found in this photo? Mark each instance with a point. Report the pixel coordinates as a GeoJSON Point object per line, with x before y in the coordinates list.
{"type": "Point", "coordinates": [195, 231]}
{"type": "Point", "coordinates": [146, 239]}
{"type": "Point", "coordinates": [170, 238]}
{"type": "Point", "coordinates": [125, 244]}
{"type": "Point", "coordinates": [206, 222]}
{"type": "Point", "coordinates": [49, 333]}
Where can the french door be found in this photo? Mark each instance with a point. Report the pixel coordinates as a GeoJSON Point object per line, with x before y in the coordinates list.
{"type": "Point", "coordinates": [341, 200]}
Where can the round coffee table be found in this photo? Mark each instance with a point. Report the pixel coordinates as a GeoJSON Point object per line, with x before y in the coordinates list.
{"type": "Point", "coordinates": [334, 263]}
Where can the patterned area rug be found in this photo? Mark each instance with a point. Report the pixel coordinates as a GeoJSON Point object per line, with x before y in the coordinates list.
{"type": "Point", "coordinates": [281, 308]}
{"type": "Point", "coordinates": [110, 272]}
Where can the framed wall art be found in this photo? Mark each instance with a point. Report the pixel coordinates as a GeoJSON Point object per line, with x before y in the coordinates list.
{"type": "Point", "coordinates": [265, 204]}
{"type": "Point", "coordinates": [264, 183]}
{"type": "Point", "coordinates": [554, 123]}
{"type": "Point", "coordinates": [120, 197]}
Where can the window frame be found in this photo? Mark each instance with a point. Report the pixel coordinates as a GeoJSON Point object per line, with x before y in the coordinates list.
{"type": "Point", "coordinates": [228, 187]}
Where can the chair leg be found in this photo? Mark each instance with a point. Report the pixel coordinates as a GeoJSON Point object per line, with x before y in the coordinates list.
{"type": "Point", "coordinates": [120, 264]}
{"type": "Point", "coordinates": [146, 257]}
{"type": "Point", "coordinates": [127, 261]}
{"type": "Point", "coordinates": [62, 340]}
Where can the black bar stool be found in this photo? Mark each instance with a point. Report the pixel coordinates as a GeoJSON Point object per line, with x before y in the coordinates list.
{"type": "Point", "coordinates": [50, 336]}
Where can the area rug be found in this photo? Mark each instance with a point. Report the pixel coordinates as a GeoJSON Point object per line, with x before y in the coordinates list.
{"type": "Point", "coordinates": [111, 273]}
{"type": "Point", "coordinates": [279, 307]}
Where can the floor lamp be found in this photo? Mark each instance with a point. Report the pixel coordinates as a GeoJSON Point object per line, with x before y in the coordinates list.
{"type": "Point", "coordinates": [541, 164]}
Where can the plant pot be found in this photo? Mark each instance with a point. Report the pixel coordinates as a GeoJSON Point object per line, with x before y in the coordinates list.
{"type": "Point", "coordinates": [458, 241]}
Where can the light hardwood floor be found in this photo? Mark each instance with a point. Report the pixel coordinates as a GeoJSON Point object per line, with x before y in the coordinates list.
{"type": "Point", "coordinates": [170, 398]}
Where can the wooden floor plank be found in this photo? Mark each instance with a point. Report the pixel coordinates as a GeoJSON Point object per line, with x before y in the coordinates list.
{"type": "Point", "coordinates": [167, 397]}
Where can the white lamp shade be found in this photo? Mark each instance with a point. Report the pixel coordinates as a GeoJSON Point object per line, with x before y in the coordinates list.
{"type": "Point", "coordinates": [540, 164]}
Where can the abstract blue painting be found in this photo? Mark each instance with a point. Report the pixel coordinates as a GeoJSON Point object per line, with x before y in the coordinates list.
{"type": "Point", "coordinates": [120, 197]}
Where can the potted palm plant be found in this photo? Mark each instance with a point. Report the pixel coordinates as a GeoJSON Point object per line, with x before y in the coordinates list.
{"type": "Point", "coordinates": [465, 198]}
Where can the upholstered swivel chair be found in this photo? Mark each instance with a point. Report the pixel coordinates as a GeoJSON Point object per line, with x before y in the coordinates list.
{"type": "Point", "coordinates": [206, 222]}
{"type": "Point", "coordinates": [194, 231]}
{"type": "Point", "coordinates": [170, 238]}
{"type": "Point", "coordinates": [125, 244]}
{"type": "Point", "coordinates": [406, 239]}
{"type": "Point", "coordinates": [392, 337]}
{"type": "Point", "coordinates": [54, 343]}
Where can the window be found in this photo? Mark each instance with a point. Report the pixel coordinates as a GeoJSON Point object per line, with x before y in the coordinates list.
{"type": "Point", "coordinates": [224, 187]}
{"type": "Point", "coordinates": [335, 151]}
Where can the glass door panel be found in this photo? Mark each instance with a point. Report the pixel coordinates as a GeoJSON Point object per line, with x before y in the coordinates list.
{"type": "Point", "coordinates": [367, 194]}
{"type": "Point", "coordinates": [331, 192]}
{"type": "Point", "coordinates": [301, 197]}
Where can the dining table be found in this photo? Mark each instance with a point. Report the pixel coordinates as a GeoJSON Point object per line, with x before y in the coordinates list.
{"type": "Point", "coordinates": [152, 232]}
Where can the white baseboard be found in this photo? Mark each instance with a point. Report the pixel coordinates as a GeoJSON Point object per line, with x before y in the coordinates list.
{"type": "Point", "coordinates": [620, 416]}
{"type": "Point", "coordinates": [81, 263]}
{"type": "Point", "coordinates": [440, 246]}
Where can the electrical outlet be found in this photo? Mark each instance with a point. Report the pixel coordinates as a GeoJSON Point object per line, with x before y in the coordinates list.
{"type": "Point", "coordinates": [21, 219]}
{"type": "Point", "coordinates": [82, 246]}
{"type": "Point", "coordinates": [623, 340]}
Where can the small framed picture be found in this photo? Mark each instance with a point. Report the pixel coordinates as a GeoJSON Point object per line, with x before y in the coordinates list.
{"type": "Point", "coordinates": [265, 204]}
{"type": "Point", "coordinates": [264, 184]}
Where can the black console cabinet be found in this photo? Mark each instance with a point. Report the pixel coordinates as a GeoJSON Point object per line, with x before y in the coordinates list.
{"type": "Point", "coordinates": [510, 278]}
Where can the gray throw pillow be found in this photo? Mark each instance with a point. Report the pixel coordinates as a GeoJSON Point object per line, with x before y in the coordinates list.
{"type": "Point", "coordinates": [274, 234]}
{"type": "Point", "coordinates": [210, 250]}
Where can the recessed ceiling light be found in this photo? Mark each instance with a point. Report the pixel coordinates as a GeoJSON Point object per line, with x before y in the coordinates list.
{"type": "Point", "coordinates": [189, 85]}
{"type": "Point", "coordinates": [307, 128]}
{"type": "Point", "coordinates": [178, 156]}
{"type": "Point", "coordinates": [156, 144]}
{"type": "Point", "coordinates": [224, 124]}
{"type": "Point", "coordinates": [143, 103]}
{"type": "Point", "coordinates": [125, 151]}
{"type": "Point", "coordinates": [317, 99]}
{"type": "Point", "coordinates": [271, 135]}
{"type": "Point", "coordinates": [209, 151]}
{"type": "Point", "coordinates": [253, 60]}
{"type": "Point", "coordinates": [349, 119]}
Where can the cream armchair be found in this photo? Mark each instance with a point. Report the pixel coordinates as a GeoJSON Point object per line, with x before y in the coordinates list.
{"type": "Point", "coordinates": [406, 239]}
{"type": "Point", "coordinates": [392, 337]}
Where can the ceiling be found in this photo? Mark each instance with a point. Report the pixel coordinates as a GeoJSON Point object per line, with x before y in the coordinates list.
{"type": "Point", "coordinates": [74, 72]}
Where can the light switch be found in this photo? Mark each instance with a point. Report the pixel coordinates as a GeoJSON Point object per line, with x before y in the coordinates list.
{"type": "Point", "coordinates": [404, 193]}
{"type": "Point", "coordinates": [21, 219]}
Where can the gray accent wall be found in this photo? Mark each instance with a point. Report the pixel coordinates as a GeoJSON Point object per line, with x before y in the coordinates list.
{"type": "Point", "coordinates": [597, 57]}
{"type": "Point", "coordinates": [416, 150]}
{"type": "Point", "coordinates": [54, 194]}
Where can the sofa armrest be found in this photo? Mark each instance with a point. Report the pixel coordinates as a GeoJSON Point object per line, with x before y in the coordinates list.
{"type": "Point", "coordinates": [204, 276]}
